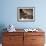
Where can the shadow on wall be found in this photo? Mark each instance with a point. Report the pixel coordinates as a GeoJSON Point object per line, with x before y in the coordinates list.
{"type": "Point", "coordinates": [2, 27]}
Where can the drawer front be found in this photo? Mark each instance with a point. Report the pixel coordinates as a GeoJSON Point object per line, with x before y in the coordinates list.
{"type": "Point", "coordinates": [37, 45]}
{"type": "Point", "coordinates": [27, 41]}
{"type": "Point", "coordinates": [34, 33]}
{"type": "Point", "coordinates": [33, 39]}
{"type": "Point", "coordinates": [12, 39]}
{"type": "Point", "coordinates": [37, 39]}
{"type": "Point", "coordinates": [13, 33]}
{"type": "Point", "coordinates": [12, 44]}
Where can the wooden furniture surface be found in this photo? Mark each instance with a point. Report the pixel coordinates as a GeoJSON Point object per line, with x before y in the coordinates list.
{"type": "Point", "coordinates": [13, 39]}
{"type": "Point", "coordinates": [23, 38]}
{"type": "Point", "coordinates": [34, 39]}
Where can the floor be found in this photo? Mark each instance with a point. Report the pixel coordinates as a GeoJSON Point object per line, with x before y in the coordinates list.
{"type": "Point", "coordinates": [0, 44]}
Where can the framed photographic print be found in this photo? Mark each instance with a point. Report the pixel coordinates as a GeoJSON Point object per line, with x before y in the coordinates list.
{"type": "Point", "coordinates": [26, 14]}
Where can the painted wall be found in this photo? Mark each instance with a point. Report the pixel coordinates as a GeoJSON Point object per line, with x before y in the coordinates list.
{"type": "Point", "coordinates": [9, 13]}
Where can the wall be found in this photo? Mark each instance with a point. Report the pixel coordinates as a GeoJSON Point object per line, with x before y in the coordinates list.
{"type": "Point", "coordinates": [8, 13]}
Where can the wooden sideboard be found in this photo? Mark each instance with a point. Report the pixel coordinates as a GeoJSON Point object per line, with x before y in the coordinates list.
{"type": "Point", "coordinates": [23, 38]}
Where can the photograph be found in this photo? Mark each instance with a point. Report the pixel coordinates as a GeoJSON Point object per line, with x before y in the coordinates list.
{"type": "Point", "coordinates": [25, 14]}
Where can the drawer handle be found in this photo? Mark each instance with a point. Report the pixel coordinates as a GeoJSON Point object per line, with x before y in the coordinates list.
{"type": "Point", "coordinates": [11, 38]}
{"type": "Point", "coordinates": [33, 39]}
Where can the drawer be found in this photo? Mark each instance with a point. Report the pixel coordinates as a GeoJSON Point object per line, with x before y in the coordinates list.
{"type": "Point", "coordinates": [9, 45]}
{"type": "Point", "coordinates": [37, 39]}
{"type": "Point", "coordinates": [37, 44]}
{"type": "Point", "coordinates": [34, 39]}
{"type": "Point", "coordinates": [34, 33]}
{"type": "Point", "coordinates": [27, 41]}
{"type": "Point", "coordinates": [27, 37]}
{"type": "Point", "coordinates": [13, 33]}
{"type": "Point", "coordinates": [12, 38]}
{"type": "Point", "coordinates": [13, 42]}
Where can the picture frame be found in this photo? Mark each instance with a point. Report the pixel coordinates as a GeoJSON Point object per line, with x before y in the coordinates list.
{"type": "Point", "coordinates": [26, 14]}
